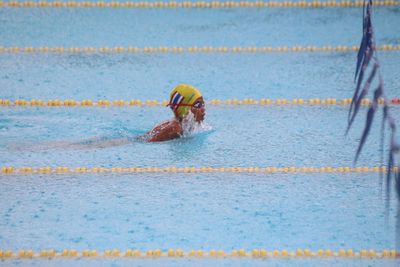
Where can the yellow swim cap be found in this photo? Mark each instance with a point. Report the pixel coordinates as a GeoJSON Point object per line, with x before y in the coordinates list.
{"type": "Point", "coordinates": [182, 98]}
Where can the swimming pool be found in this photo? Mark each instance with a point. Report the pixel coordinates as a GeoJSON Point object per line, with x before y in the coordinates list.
{"type": "Point", "coordinates": [204, 210]}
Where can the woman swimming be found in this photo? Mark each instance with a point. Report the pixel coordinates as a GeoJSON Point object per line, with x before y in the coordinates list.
{"type": "Point", "coordinates": [188, 106]}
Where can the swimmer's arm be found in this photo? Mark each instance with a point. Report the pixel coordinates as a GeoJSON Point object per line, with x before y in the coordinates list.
{"type": "Point", "coordinates": [165, 131]}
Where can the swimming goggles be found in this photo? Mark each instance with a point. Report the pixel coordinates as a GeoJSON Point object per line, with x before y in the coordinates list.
{"type": "Point", "coordinates": [197, 104]}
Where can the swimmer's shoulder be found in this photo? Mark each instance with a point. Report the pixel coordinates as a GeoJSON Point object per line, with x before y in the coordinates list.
{"type": "Point", "coordinates": [166, 131]}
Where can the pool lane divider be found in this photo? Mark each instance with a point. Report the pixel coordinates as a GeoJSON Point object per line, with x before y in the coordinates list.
{"type": "Point", "coordinates": [193, 4]}
{"type": "Point", "coordinates": [194, 49]}
{"type": "Point", "coordinates": [10, 170]}
{"type": "Point", "coordinates": [179, 253]}
{"type": "Point", "coordinates": [214, 102]}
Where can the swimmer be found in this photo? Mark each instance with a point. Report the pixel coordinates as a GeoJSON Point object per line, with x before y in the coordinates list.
{"type": "Point", "coordinates": [187, 104]}
{"type": "Point", "coordinates": [184, 100]}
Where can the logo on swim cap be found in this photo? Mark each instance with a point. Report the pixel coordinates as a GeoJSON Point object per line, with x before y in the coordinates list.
{"type": "Point", "coordinates": [176, 99]}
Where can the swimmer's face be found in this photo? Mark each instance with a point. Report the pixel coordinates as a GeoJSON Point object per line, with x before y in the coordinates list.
{"type": "Point", "coordinates": [198, 109]}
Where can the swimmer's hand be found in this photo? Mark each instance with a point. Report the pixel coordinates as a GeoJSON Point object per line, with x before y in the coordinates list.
{"type": "Point", "coordinates": [165, 131]}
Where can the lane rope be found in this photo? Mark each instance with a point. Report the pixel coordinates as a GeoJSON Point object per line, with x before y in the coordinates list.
{"type": "Point", "coordinates": [179, 253]}
{"type": "Point", "coordinates": [213, 102]}
{"type": "Point", "coordinates": [9, 170]}
{"type": "Point", "coordinates": [195, 49]}
{"type": "Point", "coordinates": [194, 4]}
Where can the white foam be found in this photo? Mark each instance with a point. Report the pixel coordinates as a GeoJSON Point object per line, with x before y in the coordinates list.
{"type": "Point", "coordinates": [191, 127]}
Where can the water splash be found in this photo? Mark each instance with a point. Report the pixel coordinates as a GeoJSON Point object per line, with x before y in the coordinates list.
{"type": "Point", "coordinates": [191, 127]}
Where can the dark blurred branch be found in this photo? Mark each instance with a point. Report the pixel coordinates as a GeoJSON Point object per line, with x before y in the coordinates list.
{"type": "Point", "coordinates": [366, 54]}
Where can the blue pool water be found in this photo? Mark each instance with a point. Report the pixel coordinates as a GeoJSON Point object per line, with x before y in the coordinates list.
{"type": "Point", "coordinates": [191, 211]}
